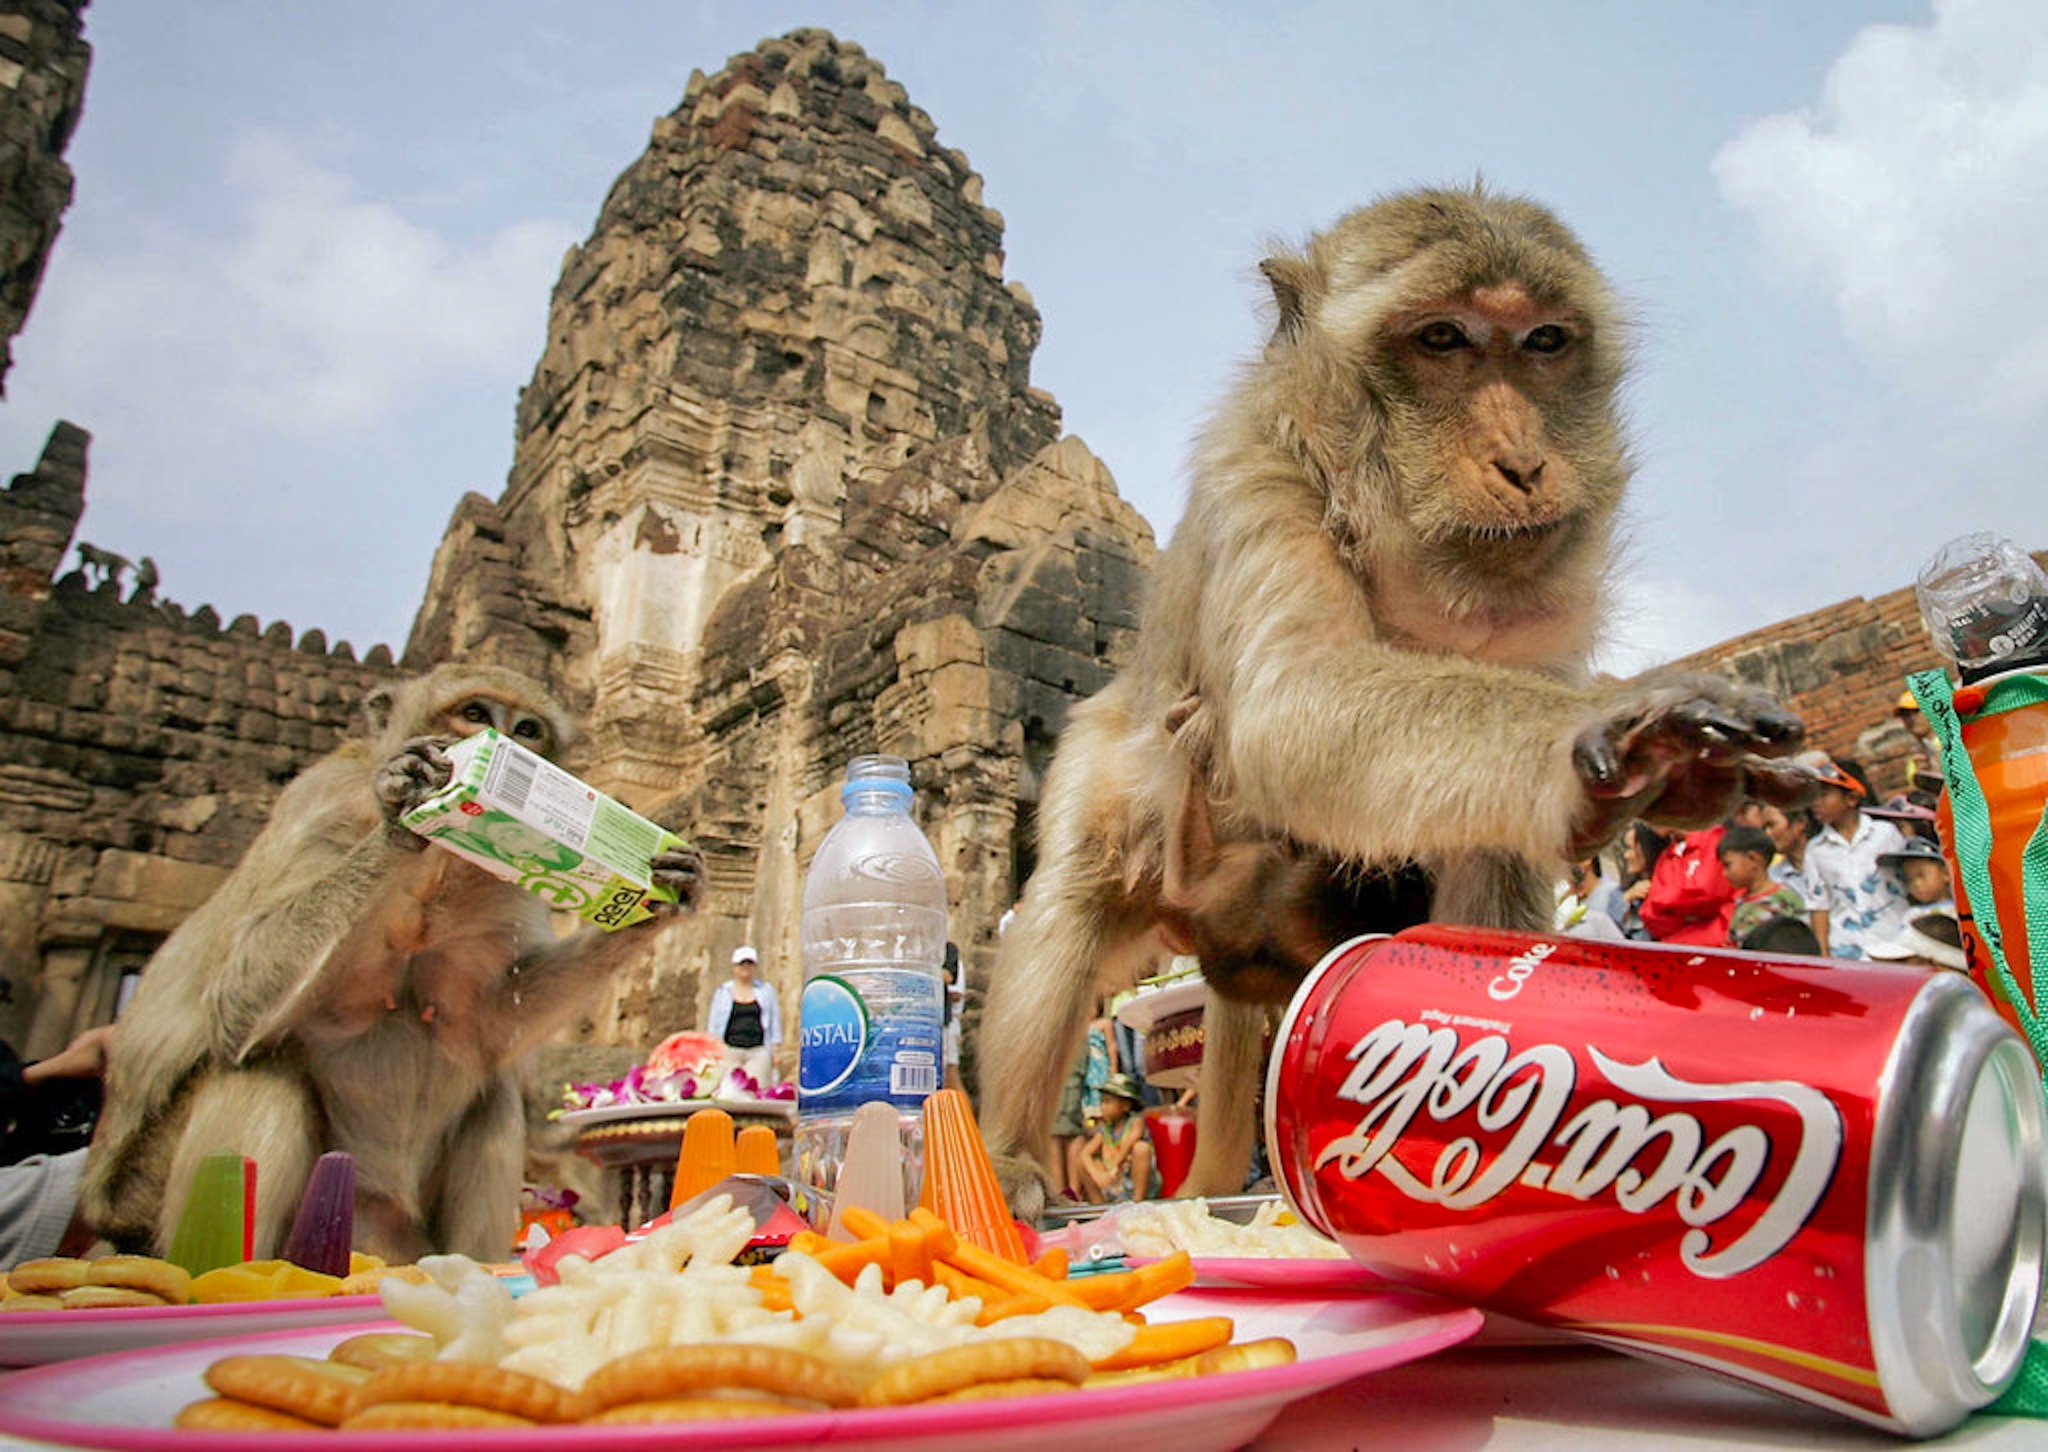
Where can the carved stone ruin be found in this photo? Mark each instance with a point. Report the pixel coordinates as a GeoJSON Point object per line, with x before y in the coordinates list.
{"type": "Point", "coordinates": [782, 494]}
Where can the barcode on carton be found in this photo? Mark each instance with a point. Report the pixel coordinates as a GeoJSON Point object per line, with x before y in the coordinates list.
{"type": "Point", "coordinates": [516, 784]}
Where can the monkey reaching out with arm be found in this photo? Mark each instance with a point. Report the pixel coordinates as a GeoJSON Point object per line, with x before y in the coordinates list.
{"type": "Point", "coordinates": [1360, 680]}
{"type": "Point", "coordinates": [346, 989]}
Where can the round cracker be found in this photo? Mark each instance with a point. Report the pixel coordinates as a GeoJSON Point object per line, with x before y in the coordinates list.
{"type": "Point", "coordinates": [33, 1302]}
{"type": "Point", "coordinates": [448, 1416]}
{"type": "Point", "coordinates": [173, 1283]}
{"type": "Point", "coordinates": [1246, 1356]}
{"type": "Point", "coordinates": [48, 1275]}
{"type": "Point", "coordinates": [319, 1391]}
{"type": "Point", "coordinates": [364, 1283]}
{"type": "Point", "coordinates": [1004, 1358]}
{"type": "Point", "coordinates": [986, 1391]}
{"type": "Point", "coordinates": [374, 1350]}
{"type": "Point", "coordinates": [471, 1384]}
{"type": "Point", "coordinates": [225, 1414]}
{"type": "Point", "coordinates": [696, 1409]}
{"type": "Point", "coordinates": [104, 1298]}
{"type": "Point", "coordinates": [662, 1372]}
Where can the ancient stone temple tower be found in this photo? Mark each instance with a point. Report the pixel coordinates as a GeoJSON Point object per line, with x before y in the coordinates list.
{"type": "Point", "coordinates": [43, 63]}
{"type": "Point", "coordinates": [783, 493]}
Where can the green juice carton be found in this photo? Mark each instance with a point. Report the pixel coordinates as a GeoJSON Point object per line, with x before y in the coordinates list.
{"type": "Point", "coordinates": [518, 816]}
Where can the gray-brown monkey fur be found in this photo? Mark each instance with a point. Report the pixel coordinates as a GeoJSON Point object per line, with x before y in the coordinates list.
{"type": "Point", "coordinates": [348, 989]}
{"type": "Point", "coordinates": [1379, 605]}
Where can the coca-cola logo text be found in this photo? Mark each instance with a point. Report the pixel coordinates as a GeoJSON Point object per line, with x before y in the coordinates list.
{"type": "Point", "coordinates": [1510, 980]}
{"type": "Point", "coordinates": [1609, 1147]}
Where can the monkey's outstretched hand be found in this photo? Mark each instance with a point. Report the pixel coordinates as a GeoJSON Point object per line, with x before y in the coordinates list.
{"type": "Point", "coordinates": [680, 869]}
{"type": "Point", "coordinates": [1684, 751]}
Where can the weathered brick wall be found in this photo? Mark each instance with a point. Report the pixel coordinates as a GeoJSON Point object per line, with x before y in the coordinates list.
{"type": "Point", "coordinates": [43, 61]}
{"type": "Point", "coordinates": [140, 749]}
{"type": "Point", "coordinates": [1842, 669]}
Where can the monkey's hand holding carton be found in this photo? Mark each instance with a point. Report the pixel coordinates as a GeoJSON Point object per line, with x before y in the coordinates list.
{"type": "Point", "coordinates": [520, 817]}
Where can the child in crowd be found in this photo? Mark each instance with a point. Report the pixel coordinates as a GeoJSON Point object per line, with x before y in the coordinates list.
{"type": "Point", "coordinates": [1865, 902]}
{"type": "Point", "coordinates": [1923, 873]}
{"type": "Point", "coordinates": [1745, 854]}
{"type": "Point", "coordinates": [1789, 833]}
{"type": "Point", "coordinates": [1117, 1161]}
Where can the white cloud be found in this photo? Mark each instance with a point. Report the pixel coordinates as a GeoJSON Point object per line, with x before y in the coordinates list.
{"type": "Point", "coordinates": [319, 311]}
{"type": "Point", "coordinates": [1654, 617]}
{"type": "Point", "coordinates": [1914, 193]}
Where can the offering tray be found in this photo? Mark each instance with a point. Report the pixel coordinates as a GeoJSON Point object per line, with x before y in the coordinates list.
{"type": "Point", "coordinates": [637, 1144]}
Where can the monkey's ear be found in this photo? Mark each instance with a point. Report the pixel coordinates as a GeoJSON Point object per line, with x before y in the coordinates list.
{"type": "Point", "coordinates": [377, 708]}
{"type": "Point", "coordinates": [1289, 278]}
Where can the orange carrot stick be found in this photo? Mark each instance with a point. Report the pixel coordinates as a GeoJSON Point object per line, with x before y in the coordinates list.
{"type": "Point", "coordinates": [910, 1256]}
{"type": "Point", "coordinates": [1163, 1277]}
{"type": "Point", "coordinates": [1169, 1341]}
{"type": "Point", "coordinates": [1108, 1291]}
{"type": "Point", "coordinates": [959, 1285]}
{"type": "Point", "coordinates": [775, 1292]}
{"type": "Point", "coordinates": [1052, 1265]}
{"type": "Point", "coordinates": [863, 1222]}
{"type": "Point", "coordinates": [1003, 1307]}
{"type": "Point", "coordinates": [1016, 1279]}
{"type": "Point", "coordinates": [848, 1261]}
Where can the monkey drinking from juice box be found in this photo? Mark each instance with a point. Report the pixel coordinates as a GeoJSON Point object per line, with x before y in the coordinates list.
{"type": "Point", "coordinates": [348, 989]}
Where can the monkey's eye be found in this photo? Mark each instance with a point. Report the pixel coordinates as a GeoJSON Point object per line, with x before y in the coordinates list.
{"type": "Point", "coordinates": [1441, 337]}
{"type": "Point", "coordinates": [1549, 338]}
{"type": "Point", "coordinates": [477, 713]}
{"type": "Point", "coordinates": [528, 728]}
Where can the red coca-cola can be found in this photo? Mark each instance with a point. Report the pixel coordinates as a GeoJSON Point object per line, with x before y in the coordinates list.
{"type": "Point", "coordinates": [1826, 1181]}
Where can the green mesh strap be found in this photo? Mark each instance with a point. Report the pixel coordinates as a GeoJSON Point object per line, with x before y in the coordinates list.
{"type": "Point", "coordinates": [1970, 832]}
{"type": "Point", "coordinates": [2028, 1395]}
{"type": "Point", "coordinates": [1970, 827]}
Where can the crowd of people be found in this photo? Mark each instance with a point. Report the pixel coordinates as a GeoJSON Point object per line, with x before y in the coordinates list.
{"type": "Point", "coordinates": [1847, 877]}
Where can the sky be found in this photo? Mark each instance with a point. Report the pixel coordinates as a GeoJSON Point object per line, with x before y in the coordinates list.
{"type": "Point", "coordinates": [307, 265]}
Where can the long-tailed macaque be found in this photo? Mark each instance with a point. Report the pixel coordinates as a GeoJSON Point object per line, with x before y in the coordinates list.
{"type": "Point", "coordinates": [346, 989]}
{"type": "Point", "coordinates": [1360, 681]}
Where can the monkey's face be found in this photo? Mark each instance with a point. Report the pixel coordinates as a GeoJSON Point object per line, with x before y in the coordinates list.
{"type": "Point", "coordinates": [1502, 442]}
{"type": "Point", "coordinates": [476, 712]}
{"type": "Point", "coordinates": [1452, 361]}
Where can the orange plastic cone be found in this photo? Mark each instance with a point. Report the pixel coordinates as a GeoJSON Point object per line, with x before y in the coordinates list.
{"type": "Point", "coordinates": [755, 1151]}
{"type": "Point", "coordinates": [706, 1156]}
{"type": "Point", "coordinates": [960, 1182]}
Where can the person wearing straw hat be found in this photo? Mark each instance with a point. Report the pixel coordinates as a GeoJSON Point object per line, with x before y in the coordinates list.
{"type": "Point", "coordinates": [1117, 1161]}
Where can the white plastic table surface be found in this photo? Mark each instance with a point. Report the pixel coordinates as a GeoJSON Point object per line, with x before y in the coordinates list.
{"type": "Point", "coordinates": [1564, 1398]}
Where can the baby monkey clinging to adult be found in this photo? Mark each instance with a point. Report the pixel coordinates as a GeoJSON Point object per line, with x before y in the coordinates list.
{"type": "Point", "coordinates": [346, 989]}
{"type": "Point", "coordinates": [1360, 680]}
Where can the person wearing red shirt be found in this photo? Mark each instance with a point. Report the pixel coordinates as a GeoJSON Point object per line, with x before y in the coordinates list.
{"type": "Point", "coordinates": [1690, 898]}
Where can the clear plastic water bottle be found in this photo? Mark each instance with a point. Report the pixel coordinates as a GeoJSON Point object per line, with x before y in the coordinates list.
{"type": "Point", "coordinates": [1985, 602]}
{"type": "Point", "coordinates": [874, 942]}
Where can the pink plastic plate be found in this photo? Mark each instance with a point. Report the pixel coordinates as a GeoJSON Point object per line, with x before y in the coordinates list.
{"type": "Point", "coordinates": [125, 1402]}
{"type": "Point", "coordinates": [32, 1338]}
{"type": "Point", "coordinates": [1274, 1273]}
